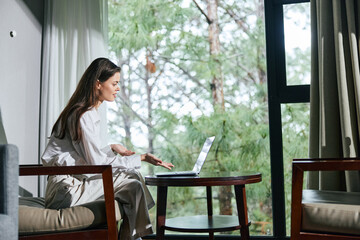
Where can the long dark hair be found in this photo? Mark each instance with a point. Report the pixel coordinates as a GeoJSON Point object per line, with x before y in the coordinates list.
{"type": "Point", "coordinates": [84, 98]}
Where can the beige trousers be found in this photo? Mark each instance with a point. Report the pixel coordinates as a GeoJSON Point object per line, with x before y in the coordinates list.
{"type": "Point", "coordinates": [64, 191]}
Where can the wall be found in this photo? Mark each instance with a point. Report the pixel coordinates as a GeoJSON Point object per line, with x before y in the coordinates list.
{"type": "Point", "coordinates": [20, 67]}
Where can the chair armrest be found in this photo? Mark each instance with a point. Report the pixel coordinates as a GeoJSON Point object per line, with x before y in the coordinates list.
{"type": "Point", "coordinates": [329, 164]}
{"type": "Point", "coordinates": [299, 166]}
{"type": "Point", "coordinates": [38, 169]}
{"type": "Point", "coordinates": [106, 172]}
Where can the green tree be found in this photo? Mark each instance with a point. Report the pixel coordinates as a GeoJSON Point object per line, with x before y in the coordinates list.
{"type": "Point", "coordinates": [192, 69]}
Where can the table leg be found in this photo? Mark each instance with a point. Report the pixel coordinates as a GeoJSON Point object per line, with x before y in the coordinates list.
{"type": "Point", "coordinates": [242, 210]}
{"type": "Point", "coordinates": [161, 212]}
{"type": "Point", "coordinates": [209, 208]}
{"type": "Point", "coordinates": [209, 201]}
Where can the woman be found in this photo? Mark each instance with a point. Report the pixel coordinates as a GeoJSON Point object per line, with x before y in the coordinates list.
{"type": "Point", "coordinates": [75, 141]}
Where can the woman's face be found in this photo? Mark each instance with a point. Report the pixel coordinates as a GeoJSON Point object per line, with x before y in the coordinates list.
{"type": "Point", "coordinates": [109, 88]}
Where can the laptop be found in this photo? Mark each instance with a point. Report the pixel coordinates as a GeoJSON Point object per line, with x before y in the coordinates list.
{"type": "Point", "coordinates": [198, 164]}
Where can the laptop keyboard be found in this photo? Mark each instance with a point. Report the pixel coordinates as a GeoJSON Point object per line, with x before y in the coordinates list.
{"type": "Point", "coordinates": [189, 173]}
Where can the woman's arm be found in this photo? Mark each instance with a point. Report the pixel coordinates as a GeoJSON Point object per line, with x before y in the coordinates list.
{"type": "Point", "coordinates": [90, 145]}
{"type": "Point", "coordinates": [148, 157]}
{"type": "Point", "coordinates": [120, 149]}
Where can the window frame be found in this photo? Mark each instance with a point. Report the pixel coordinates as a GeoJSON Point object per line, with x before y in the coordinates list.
{"type": "Point", "coordinates": [279, 93]}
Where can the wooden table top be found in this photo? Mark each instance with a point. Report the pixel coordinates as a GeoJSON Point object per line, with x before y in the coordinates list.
{"type": "Point", "coordinates": [206, 179]}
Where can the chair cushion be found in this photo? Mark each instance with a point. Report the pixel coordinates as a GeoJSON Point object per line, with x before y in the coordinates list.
{"type": "Point", "coordinates": [35, 219]}
{"type": "Point", "coordinates": [331, 211]}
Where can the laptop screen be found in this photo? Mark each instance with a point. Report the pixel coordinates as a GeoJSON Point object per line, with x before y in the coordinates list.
{"type": "Point", "coordinates": [202, 156]}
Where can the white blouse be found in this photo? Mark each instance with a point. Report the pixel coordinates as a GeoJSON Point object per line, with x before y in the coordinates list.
{"type": "Point", "coordinates": [87, 151]}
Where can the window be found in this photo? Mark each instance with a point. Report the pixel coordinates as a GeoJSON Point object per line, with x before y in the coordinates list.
{"type": "Point", "coordinates": [295, 135]}
{"type": "Point", "coordinates": [295, 116]}
{"type": "Point", "coordinates": [173, 63]}
{"type": "Point", "coordinates": [289, 93]}
{"type": "Point", "coordinates": [297, 43]}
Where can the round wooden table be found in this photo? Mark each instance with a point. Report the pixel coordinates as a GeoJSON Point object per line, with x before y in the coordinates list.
{"type": "Point", "coordinates": [209, 223]}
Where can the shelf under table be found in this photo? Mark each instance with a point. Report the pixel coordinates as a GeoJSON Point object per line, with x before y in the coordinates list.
{"type": "Point", "coordinates": [203, 223]}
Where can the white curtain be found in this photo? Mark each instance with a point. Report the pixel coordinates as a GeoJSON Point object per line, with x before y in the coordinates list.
{"type": "Point", "coordinates": [75, 33]}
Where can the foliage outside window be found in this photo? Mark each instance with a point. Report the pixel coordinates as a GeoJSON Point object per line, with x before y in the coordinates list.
{"type": "Point", "coordinates": [295, 121]}
{"type": "Point", "coordinates": [297, 43]}
{"type": "Point", "coordinates": [192, 69]}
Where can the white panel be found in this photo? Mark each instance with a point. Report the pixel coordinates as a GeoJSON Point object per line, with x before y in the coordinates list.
{"type": "Point", "coordinates": [20, 67]}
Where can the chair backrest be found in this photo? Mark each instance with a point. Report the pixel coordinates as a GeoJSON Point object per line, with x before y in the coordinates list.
{"type": "Point", "coordinates": [3, 139]}
{"type": "Point", "coordinates": [9, 174]}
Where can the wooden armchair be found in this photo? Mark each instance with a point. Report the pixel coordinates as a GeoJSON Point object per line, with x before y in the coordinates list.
{"type": "Point", "coordinates": [317, 214]}
{"type": "Point", "coordinates": [105, 231]}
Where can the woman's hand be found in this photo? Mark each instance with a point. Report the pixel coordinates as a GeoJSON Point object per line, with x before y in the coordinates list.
{"type": "Point", "coordinates": [148, 157]}
{"type": "Point", "coordinates": [120, 149]}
